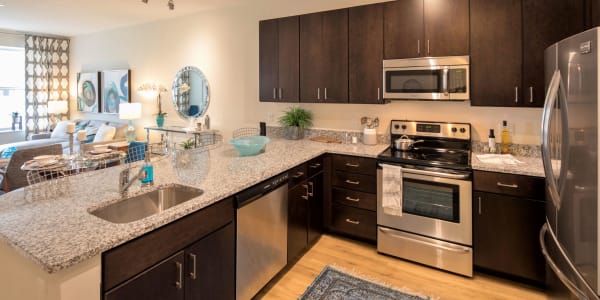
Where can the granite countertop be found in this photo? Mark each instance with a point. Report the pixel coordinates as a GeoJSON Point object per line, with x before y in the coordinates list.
{"type": "Point", "coordinates": [531, 166]}
{"type": "Point", "coordinates": [53, 227]}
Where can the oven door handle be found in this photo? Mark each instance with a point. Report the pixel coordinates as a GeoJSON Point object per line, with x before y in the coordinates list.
{"type": "Point", "coordinates": [433, 173]}
{"type": "Point", "coordinates": [453, 249]}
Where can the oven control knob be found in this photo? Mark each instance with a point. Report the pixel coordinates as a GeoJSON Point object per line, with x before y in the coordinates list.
{"type": "Point", "coordinates": [453, 129]}
{"type": "Point", "coordinates": [396, 126]}
{"type": "Point", "coordinates": [462, 130]}
{"type": "Point", "coordinates": [403, 127]}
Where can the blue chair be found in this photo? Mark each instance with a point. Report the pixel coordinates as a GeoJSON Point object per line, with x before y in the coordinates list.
{"type": "Point", "coordinates": [136, 152]}
{"type": "Point", "coordinates": [193, 111]}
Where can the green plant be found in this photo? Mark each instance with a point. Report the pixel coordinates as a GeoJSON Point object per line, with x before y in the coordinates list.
{"type": "Point", "coordinates": [296, 116]}
{"type": "Point", "coordinates": [187, 144]}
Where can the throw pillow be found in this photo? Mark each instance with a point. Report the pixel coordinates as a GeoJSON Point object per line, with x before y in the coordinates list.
{"type": "Point", "coordinates": [60, 130]}
{"type": "Point", "coordinates": [105, 133]}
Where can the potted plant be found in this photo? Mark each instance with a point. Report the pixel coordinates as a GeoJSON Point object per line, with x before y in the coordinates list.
{"type": "Point", "coordinates": [295, 120]}
{"type": "Point", "coordinates": [188, 144]}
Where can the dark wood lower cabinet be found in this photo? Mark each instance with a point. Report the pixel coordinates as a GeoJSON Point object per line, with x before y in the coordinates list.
{"type": "Point", "coordinates": [212, 261]}
{"type": "Point", "coordinates": [505, 235]}
{"type": "Point", "coordinates": [156, 283]}
{"type": "Point", "coordinates": [305, 213]}
{"type": "Point", "coordinates": [191, 258]}
{"type": "Point", "coordinates": [297, 217]}
{"type": "Point", "coordinates": [356, 222]}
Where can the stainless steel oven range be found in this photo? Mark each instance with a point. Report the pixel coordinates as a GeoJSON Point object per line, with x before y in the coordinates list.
{"type": "Point", "coordinates": [424, 196]}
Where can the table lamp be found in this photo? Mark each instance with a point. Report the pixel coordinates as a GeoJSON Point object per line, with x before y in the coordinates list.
{"type": "Point", "coordinates": [130, 112]}
{"type": "Point", "coordinates": [56, 109]}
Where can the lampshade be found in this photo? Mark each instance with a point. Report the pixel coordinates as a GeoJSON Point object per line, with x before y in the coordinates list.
{"type": "Point", "coordinates": [130, 111]}
{"type": "Point", "coordinates": [58, 107]}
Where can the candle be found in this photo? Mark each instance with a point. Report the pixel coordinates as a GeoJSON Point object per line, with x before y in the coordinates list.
{"type": "Point", "coordinates": [81, 136]}
{"type": "Point", "coordinates": [71, 128]}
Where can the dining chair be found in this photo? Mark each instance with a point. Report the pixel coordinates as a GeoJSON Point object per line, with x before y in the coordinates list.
{"type": "Point", "coordinates": [12, 176]}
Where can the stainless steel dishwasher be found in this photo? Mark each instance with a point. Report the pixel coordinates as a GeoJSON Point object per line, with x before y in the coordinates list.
{"type": "Point", "coordinates": [261, 235]}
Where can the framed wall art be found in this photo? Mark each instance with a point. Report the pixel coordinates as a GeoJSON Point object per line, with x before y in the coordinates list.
{"type": "Point", "coordinates": [88, 92]}
{"type": "Point", "coordinates": [115, 90]}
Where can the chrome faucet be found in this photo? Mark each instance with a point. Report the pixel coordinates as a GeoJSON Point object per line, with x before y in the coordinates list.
{"type": "Point", "coordinates": [125, 182]}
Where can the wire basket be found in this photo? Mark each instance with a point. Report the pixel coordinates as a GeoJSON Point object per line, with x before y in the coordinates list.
{"type": "Point", "coordinates": [52, 181]}
{"type": "Point", "coordinates": [246, 131]}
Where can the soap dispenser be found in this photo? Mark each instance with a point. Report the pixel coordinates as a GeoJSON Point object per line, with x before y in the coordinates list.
{"type": "Point", "coordinates": [148, 170]}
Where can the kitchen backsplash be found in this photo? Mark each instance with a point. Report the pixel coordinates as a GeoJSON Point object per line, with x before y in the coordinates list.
{"type": "Point", "coordinates": [515, 149]}
{"type": "Point", "coordinates": [345, 136]}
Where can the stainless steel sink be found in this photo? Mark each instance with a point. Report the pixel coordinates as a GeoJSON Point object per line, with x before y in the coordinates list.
{"type": "Point", "coordinates": [144, 205]}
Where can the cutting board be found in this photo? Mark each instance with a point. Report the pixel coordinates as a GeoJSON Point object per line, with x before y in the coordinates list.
{"type": "Point", "coordinates": [324, 139]}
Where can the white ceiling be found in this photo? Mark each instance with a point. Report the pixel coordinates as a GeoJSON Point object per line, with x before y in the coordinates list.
{"type": "Point", "coordinates": [76, 17]}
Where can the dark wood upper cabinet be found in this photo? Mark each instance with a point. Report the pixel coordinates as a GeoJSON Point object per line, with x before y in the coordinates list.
{"type": "Point", "coordinates": [446, 27]}
{"type": "Point", "coordinates": [268, 64]}
{"type": "Point", "coordinates": [415, 28]}
{"type": "Point", "coordinates": [324, 57]}
{"type": "Point", "coordinates": [592, 9]}
{"type": "Point", "coordinates": [365, 53]}
{"type": "Point", "coordinates": [289, 59]}
{"type": "Point", "coordinates": [495, 52]}
{"type": "Point", "coordinates": [508, 39]}
{"type": "Point", "coordinates": [545, 22]}
{"type": "Point", "coordinates": [403, 29]}
{"type": "Point", "coordinates": [279, 65]}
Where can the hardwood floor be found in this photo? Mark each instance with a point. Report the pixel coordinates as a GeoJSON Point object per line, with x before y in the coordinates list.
{"type": "Point", "coordinates": [362, 259]}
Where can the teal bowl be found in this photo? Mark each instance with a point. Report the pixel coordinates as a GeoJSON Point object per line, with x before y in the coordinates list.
{"type": "Point", "coordinates": [249, 145]}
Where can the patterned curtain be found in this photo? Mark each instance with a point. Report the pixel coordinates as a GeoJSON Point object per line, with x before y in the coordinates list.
{"type": "Point", "coordinates": [46, 78]}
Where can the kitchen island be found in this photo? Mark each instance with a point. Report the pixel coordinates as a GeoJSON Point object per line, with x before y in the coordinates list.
{"type": "Point", "coordinates": [51, 246]}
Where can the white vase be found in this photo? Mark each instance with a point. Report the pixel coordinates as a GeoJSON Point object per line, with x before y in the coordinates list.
{"type": "Point", "coordinates": [370, 136]}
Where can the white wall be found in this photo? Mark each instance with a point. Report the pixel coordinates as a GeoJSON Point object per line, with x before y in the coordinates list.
{"type": "Point", "coordinates": [224, 45]}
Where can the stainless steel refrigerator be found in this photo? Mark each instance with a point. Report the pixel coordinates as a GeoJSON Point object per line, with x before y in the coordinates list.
{"type": "Point", "coordinates": [569, 239]}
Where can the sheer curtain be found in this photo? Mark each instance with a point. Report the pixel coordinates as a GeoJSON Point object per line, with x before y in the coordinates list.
{"type": "Point", "coordinates": [46, 78]}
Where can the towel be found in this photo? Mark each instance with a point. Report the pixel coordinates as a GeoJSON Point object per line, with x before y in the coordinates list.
{"type": "Point", "coordinates": [392, 190]}
{"type": "Point", "coordinates": [500, 159]}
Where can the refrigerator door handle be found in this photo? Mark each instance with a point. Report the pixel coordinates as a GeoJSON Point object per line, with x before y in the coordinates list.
{"type": "Point", "coordinates": [563, 278]}
{"type": "Point", "coordinates": [549, 103]}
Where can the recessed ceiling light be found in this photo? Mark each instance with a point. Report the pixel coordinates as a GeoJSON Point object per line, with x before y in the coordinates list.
{"type": "Point", "coordinates": [2, 4]}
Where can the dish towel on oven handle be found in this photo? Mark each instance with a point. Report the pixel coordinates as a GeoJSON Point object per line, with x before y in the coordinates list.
{"type": "Point", "coordinates": [391, 190]}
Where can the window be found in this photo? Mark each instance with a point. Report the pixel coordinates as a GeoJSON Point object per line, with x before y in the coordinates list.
{"type": "Point", "coordinates": [12, 87]}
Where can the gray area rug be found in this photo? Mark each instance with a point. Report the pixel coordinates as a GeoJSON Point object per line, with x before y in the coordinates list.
{"type": "Point", "coordinates": [334, 284]}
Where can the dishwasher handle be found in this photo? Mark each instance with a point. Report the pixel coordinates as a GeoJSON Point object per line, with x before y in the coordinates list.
{"type": "Point", "coordinates": [250, 194]}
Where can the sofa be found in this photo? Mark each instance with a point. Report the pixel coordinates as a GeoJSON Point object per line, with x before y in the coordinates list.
{"type": "Point", "coordinates": [98, 132]}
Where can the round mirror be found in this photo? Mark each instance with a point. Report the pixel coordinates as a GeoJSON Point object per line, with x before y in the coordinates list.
{"type": "Point", "coordinates": [190, 92]}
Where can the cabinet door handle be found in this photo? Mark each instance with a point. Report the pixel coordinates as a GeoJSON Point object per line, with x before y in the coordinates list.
{"type": "Point", "coordinates": [512, 186]}
{"type": "Point", "coordinates": [193, 273]}
{"type": "Point", "coordinates": [179, 281]}
{"type": "Point", "coordinates": [418, 47]}
{"type": "Point", "coordinates": [314, 166]}
{"type": "Point", "coordinates": [298, 175]}
{"type": "Point", "coordinates": [479, 206]}
{"type": "Point", "coordinates": [378, 94]}
{"type": "Point", "coordinates": [311, 185]}
{"type": "Point", "coordinates": [516, 94]}
{"type": "Point", "coordinates": [352, 221]}
{"type": "Point", "coordinates": [274, 93]}
{"type": "Point", "coordinates": [318, 93]}
{"type": "Point", "coordinates": [352, 182]}
{"type": "Point", "coordinates": [325, 93]}
{"type": "Point", "coordinates": [352, 199]}
{"type": "Point", "coordinates": [530, 94]}
{"type": "Point", "coordinates": [428, 48]}
{"type": "Point", "coordinates": [352, 165]}
{"type": "Point", "coordinates": [305, 197]}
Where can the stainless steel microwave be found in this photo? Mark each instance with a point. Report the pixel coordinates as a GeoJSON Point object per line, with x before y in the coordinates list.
{"type": "Point", "coordinates": [426, 78]}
